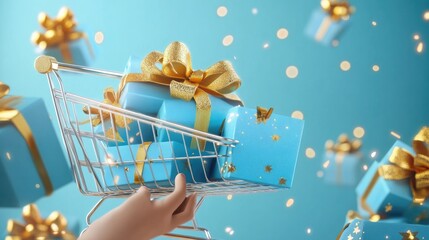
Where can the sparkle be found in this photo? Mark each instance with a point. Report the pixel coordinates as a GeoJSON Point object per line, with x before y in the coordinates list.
{"type": "Point", "coordinates": [297, 114]}
{"type": "Point", "coordinates": [222, 11]}
{"type": "Point", "coordinates": [335, 43]}
{"type": "Point", "coordinates": [419, 47]}
{"type": "Point", "coordinates": [416, 37]}
{"type": "Point", "coordinates": [326, 164]}
{"type": "Point", "coordinates": [8, 156]}
{"type": "Point", "coordinates": [282, 33]}
{"type": "Point", "coordinates": [131, 140]}
{"type": "Point", "coordinates": [388, 207]}
{"type": "Point", "coordinates": [282, 181]}
{"type": "Point", "coordinates": [229, 197]}
{"type": "Point", "coordinates": [268, 168]}
{"type": "Point", "coordinates": [108, 159]}
{"type": "Point", "coordinates": [426, 15]}
{"type": "Point", "coordinates": [374, 23]}
{"type": "Point", "coordinates": [310, 153]}
{"type": "Point", "coordinates": [275, 137]}
{"type": "Point", "coordinates": [290, 202]}
{"type": "Point", "coordinates": [266, 45]}
{"type": "Point", "coordinates": [345, 65]}
{"type": "Point", "coordinates": [375, 68]}
{"type": "Point", "coordinates": [356, 230]}
{"type": "Point", "coordinates": [373, 154]}
{"type": "Point", "coordinates": [227, 40]}
{"type": "Point", "coordinates": [359, 132]}
{"type": "Point", "coordinates": [365, 167]}
{"type": "Point", "coordinates": [116, 180]}
{"type": "Point", "coordinates": [308, 231]}
{"type": "Point", "coordinates": [396, 135]}
{"type": "Point", "coordinates": [254, 11]}
{"type": "Point", "coordinates": [99, 37]}
{"type": "Point", "coordinates": [319, 173]}
{"type": "Point", "coordinates": [349, 237]}
{"type": "Point", "coordinates": [387, 236]}
{"type": "Point", "coordinates": [37, 186]}
{"type": "Point", "coordinates": [292, 72]}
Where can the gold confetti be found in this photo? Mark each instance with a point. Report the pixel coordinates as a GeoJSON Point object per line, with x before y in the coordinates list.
{"type": "Point", "coordinates": [290, 202]}
{"type": "Point", "coordinates": [426, 16]}
{"type": "Point", "coordinates": [116, 180]}
{"type": "Point", "coordinates": [254, 11]}
{"type": "Point", "coordinates": [396, 135]}
{"type": "Point", "coordinates": [231, 168]}
{"type": "Point", "coordinates": [375, 68]}
{"type": "Point", "coordinates": [365, 167]}
{"type": "Point", "coordinates": [99, 37]}
{"type": "Point", "coordinates": [297, 114]}
{"type": "Point", "coordinates": [229, 197]}
{"type": "Point", "coordinates": [310, 153]}
{"type": "Point", "coordinates": [275, 137]}
{"type": "Point", "coordinates": [326, 164]}
{"type": "Point", "coordinates": [268, 168]}
{"type": "Point", "coordinates": [345, 65]}
{"type": "Point", "coordinates": [266, 45]}
{"type": "Point", "coordinates": [282, 33]}
{"type": "Point", "coordinates": [374, 23]}
{"type": "Point", "coordinates": [227, 40]}
{"type": "Point", "coordinates": [388, 207]}
{"type": "Point", "coordinates": [373, 154]}
{"type": "Point", "coordinates": [37, 186]}
{"type": "Point", "coordinates": [8, 156]}
{"type": "Point", "coordinates": [419, 47]}
{"type": "Point", "coordinates": [222, 11]}
{"type": "Point", "coordinates": [335, 43]}
{"type": "Point", "coordinates": [359, 132]}
{"type": "Point", "coordinates": [292, 72]}
{"type": "Point", "coordinates": [131, 140]}
{"type": "Point", "coordinates": [282, 181]}
{"type": "Point", "coordinates": [409, 235]}
{"type": "Point", "coordinates": [308, 231]}
{"type": "Point", "coordinates": [416, 37]}
{"type": "Point", "coordinates": [126, 169]}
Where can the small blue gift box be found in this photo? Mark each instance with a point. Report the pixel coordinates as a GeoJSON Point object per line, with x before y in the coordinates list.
{"type": "Point", "coordinates": [367, 230]}
{"type": "Point", "coordinates": [153, 165]}
{"type": "Point", "coordinates": [22, 173]}
{"type": "Point", "coordinates": [266, 152]}
{"type": "Point", "coordinates": [342, 168]}
{"type": "Point", "coordinates": [389, 198]}
{"type": "Point", "coordinates": [323, 28]}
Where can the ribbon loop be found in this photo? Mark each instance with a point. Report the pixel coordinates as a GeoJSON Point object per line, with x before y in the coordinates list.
{"type": "Point", "coordinates": [263, 114]}
{"type": "Point", "coordinates": [337, 9]}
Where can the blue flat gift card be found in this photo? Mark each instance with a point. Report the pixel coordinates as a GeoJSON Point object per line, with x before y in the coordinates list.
{"type": "Point", "coordinates": [153, 165]}
{"type": "Point", "coordinates": [20, 181]}
{"type": "Point", "coordinates": [343, 169]}
{"type": "Point", "coordinates": [323, 28]}
{"type": "Point", "coordinates": [266, 152]}
{"type": "Point", "coordinates": [389, 198]}
{"type": "Point", "coordinates": [367, 230]}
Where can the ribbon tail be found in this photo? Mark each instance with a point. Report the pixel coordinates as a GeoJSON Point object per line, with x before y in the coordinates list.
{"type": "Point", "coordinates": [65, 52]}
{"type": "Point", "coordinates": [88, 45]}
{"type": "Point", "coordinates": [140, 161]}
{"type": "Point", "coordinates": [323, 29]}
{"type": "Point", "coordinates": [202, 118]}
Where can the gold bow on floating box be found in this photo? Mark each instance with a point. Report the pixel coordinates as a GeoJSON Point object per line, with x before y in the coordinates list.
{"type": "Point", "coordinates": [35, 227]}
{"type": "Point", "coordinates": [8, 114]}
{"type": "Point", "coordinates": [59, 32]}
{"type": "Point", "coordinates": [337, 9]}
{"type": "Point", "coordinates": [343, 145]}
{"type": "Point", "coordinates": [111, 98]}
{"type": "Point", "coordinates": [219, 80]}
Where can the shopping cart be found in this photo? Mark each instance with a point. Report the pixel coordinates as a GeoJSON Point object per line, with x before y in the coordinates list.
{"type": "Point", "coordinates": [96, 169]}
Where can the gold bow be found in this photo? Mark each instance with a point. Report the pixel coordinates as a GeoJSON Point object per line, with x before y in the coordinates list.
{"type": "Point", "coordinates": [8, 114]}
{"type": "Point", "coordinates": [263, 114]}
{"type": "Point", "coordinates": [111, 98]}
{"type": "Point", "coordinates": [59, 32]}
{"type": "Point", "coordinates": [219, 80]}
{"type": "Point", "coordinates": [343, 145]}
{"type": "Point", "coordinates": [337, 9]}
{"type": "Point", "coordinates": [35, 227]}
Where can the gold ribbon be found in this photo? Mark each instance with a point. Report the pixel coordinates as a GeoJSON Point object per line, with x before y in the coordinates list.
{"type": "Point", "coordinates": [263, 114]}
{"type": "Point", "coordinates": [219, 80]}
{"type": "Point", "coordinates": [336, 10]}
{"type": "Point", "coordinates": [342, 230]}
{"type": "Point", "coordinates": [406, 166]}
{"type": "Point", "coordinates": [35, 227]}
{"type": "Point", "coordinates": [140, 161]}
{"type": "Point", "coordinates": [111, 98]}
{"type": "Point", "coordinates": [343, 145]}
{"type": "Point", "coordinates": [8, 114]}
{"type": "Point", "coordinates": [59, 32]}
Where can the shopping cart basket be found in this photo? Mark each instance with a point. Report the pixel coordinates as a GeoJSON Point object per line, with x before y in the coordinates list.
{"type": "Point", "coordinates": [96, 169]}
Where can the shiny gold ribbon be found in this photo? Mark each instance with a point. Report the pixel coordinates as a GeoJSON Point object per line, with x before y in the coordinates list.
{"type": "Point", "coordinates": [336, 10]}
{"type": "Point", "coordinates": [111, 98]}
{"type": "Point", "coordinates": [406, 166]}
{"type": "Point", "coordinates": [263, 114]}
{"type": "Point", "coordinates": [219, 80]}
{"type": "Point", "coordinates": [8, 114]}
{"type": "Point", "coordinates": [59, 32]}
{"type": "Point", "coordinates": [35, 227]}
{"type": "Point", "coordinates": [342, 230]}
{"type": "Point", "coordinates": [140, 162]}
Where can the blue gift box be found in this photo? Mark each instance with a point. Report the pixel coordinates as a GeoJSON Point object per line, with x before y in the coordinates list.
{"type": "Point", "coordinates": [20, 181]}
{"type": "Point", "coordinates": [367, 230]}
{"type": "Point", "coordinates": [163, 161]}
{"type": "Point", "coordinates": [266, 152]}
{"type": "Point", "coordinates": [323, 28]}
{"type": "Point", "coordinates": [342, 168]}
{"type": "Point", "coordinates": [132, 134]}
{"type": "Point", "coordinates": [390, 198]}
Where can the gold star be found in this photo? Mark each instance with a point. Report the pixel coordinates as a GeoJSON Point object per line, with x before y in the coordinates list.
{"type": "Point", "coordinates": [268, 168]}
{"type": "Point", "coordinates": [356, 230]}
{"type": "Point", "coordinates": [275, 137]}
{"type": "Point", "coordinates": [231, 168]}
{"type": "Point", "coordinates": [349, 237]}
{"type": "Point", "coordinates": [409, 235]}
{"type": "Point", "coordinates": [282, 181]}
{"type": "Point", "coordinates": [126, 169]}
{"type": "Point", "coordinates": [388, 207]}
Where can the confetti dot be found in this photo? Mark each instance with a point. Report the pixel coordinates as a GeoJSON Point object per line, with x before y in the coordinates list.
{"type": "Point", "coordinates": [229, 197]}
{"type": "Point", "coordinates": [308, 231]}
{"type": "Point", "coordinates": [365, 167]}
{"type": "Point", "coordinates": [222, 11]}
{"type": "Point", "coordinates": [335, 43]}
{"type": "Point", "coordinates": [416, 37]}
{"type": "Point", "coordinates": [359, 132]}
{"type": "Point", "coordinates": [426, 15]}
{"type": "Point", "coordinates": [37, 186]}
{"type": "Point", "coordinates": [116, 180]}
{"type": "Point", "coordinates": [373, 154]}
{"type": "Point", "coordinates": [419, 47]}
{"type": "Point", "coordinates": [99, 37]}
{"type": "Point", "coordinates": [310, 153]}
{"type": "Point", "coordinates": [297, 114]}
{"type": "Point", "coordinates": [266, 45]}
{"type": "Point", "coordinates": [108, 159]}
{"type": "Point", "coordinates": [131, 140]}
{"type": "Point", "coordinates": [282, 33]}
{"type": "Point", "coordinates": [326, 164]}
{"type": "Point", "coordinates": [227, 40]}
{"type": "Point", "coordinates": [319, 174]}
{"type": "Point", "coordinates": [396, 135]}
{"type": "Point", "coordinates": [229, 230]}
{"type": "Point", "coordinates": [291, 72]}
{"type": "Point", "coordinates": [8, 156]}
{"type": "Point", "coordinates": [254, 11]}
{"type": "Point", "coordinates": [374, 23]}
{"type": "Point", "coordinates": [345, 65]}
{"type": "Point", "coordinates": [375, 68]}
{"type": "Point", "coordinates": [290, 202]}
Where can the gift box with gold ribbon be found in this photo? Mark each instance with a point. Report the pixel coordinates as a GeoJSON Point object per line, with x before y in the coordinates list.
{"type": "Point", "coordinates": [62, 39]}
{"type": "Point", "coordinates": [34, 226]}
{"type": "Point", "coordinates": [398, 184]}
{"type": "Point", "coordinates": [152, 164]}
{"type": "Point", "coordinates": [327, 24]}
{"type": "Point", "coordinates": [342, 163]}
{"type": "Point", "coordinates": [367, 230]}
{"type": "Point", "coordinates": [32, 163]}
{"type": "Point", "coordinates": [267, 150]}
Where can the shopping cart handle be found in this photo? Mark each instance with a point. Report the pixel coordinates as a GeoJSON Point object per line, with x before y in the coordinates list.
{"type": "Point", "coordinates": [43, 64]}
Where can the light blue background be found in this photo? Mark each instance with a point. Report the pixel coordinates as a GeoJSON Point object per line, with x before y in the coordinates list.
{"type": "Point", "coordinates": [333, 101]}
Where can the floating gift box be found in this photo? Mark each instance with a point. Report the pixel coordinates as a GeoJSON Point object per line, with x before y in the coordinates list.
{"type": "Point", "coordinates": [397, 185]}
{"type": "Point", "coordinates": [367, 230]}
{"type": "Point", "coordinates": [62, 40]}
{"type": "Point", "coordinates": [153, 165]}
{"type": "Point", "coordinates": [328, 23]}
{"type": "Point", "coordinates": [32, 163]}
{"type": "Point", "coordinates": [267, 150]}
{"type": "Point", "coordinates": [342, 162]}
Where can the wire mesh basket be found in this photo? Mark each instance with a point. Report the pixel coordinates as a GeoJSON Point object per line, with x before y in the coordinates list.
{"type": "Point", "coordinates": [111, 161]}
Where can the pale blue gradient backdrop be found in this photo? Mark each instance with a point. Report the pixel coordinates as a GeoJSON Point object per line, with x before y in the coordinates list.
{"type": "Point", "coordinates": [333, 102]}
